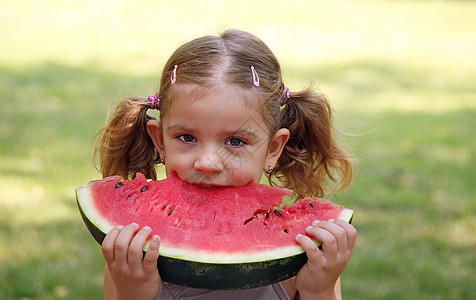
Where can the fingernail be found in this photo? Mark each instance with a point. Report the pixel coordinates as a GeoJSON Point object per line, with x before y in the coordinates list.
{"type": "Point", "coordinates": [119, 227]}
{"type": "Point", "coordinates": [298, 236]}
{"type": "Point", "coordinates": [147, 228]}
{"type": "Point", "coordinates": [155, 239]}
{"type": "Point", "coordinates": [316, 222]}
{"type": "Point", "coordinates": [308, 228]}
{"type": "Point", "coordinates": [135, 224]}
{"type": "Point", "coordinates": [332, 220]}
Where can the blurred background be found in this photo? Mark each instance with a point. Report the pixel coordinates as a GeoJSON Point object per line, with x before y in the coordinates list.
{"type": "Point", "coordinates": [400, 75]}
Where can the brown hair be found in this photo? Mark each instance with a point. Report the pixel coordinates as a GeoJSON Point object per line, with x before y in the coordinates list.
{"type": "Point", "coordinates": [312, 155]}
{"type": "Point", "coordinates": [123, 145]}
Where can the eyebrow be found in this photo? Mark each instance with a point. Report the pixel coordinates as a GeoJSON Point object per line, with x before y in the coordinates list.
{"type": "Point", "coordinates": [244, 132]}
{"type": "Point", "coordinates": [178, 127]}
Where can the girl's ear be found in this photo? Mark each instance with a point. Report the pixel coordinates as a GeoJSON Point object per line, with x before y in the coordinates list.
{"type": "Point", "coordinates": [275, 148]}
{"type": "Point", "coordinates": [154, 130]}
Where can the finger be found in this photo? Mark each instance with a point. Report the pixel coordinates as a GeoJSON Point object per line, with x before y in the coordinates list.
{"type": "Point", "coordinates": [321, 233]}
{"type": "Point", "coordinates": [152, 255]}
{"type": "Point", "coordinates": [107, 245]}
{"type": "Point", "coordinates": [123, 241]}
{"type": "Point", "coordinates": [312, 250]}
{"type": "Point", "coordinates": [336, 229]}
{"type": "Point", "coordinates": [351, 233]}
{"type": "Point", "coordinates": [135, 254]}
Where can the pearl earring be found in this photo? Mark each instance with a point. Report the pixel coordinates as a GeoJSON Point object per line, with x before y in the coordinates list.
{"type": "Point", "coordinates": [270, 169]}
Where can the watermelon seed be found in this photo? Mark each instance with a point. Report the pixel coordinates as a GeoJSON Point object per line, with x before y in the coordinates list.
{"type": "Point", "coordinates": [171, 211]}
{"type": "Point", "coordinates": [246, 222]}
{"type": "Point", "coordinates": [144, 189]}
{"type": "Point", "coordinates": [278, 213]}
{"type": "Point", "coordinates": [310, 204]}
{"type": "Point", "coordinates": [165, 206]}
{"type": "Point", "coordinates": [286, 230]}
{"type": "Point", "coordinates": [119, 184]}
{"type": "Point", "coordinates": [267, 214]}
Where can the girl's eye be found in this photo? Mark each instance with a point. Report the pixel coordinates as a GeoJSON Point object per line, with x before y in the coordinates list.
{"type": "Point", "coordinates": [187, 138]}
{"type": "Point", "coordinates": [235, 142]}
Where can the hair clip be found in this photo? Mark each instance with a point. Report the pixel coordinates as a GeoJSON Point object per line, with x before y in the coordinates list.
{"type": "Point", "coordinates": [285, 97]}
{"type": "Point", "coordinates": [154, 101]}
{"type": "Point", "coordinates": [173, 76]}
{"type": "Point", "coordinates": [255, 76]}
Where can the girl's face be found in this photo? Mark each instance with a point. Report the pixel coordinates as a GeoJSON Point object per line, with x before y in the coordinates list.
{"type": "Point", "coordinates": [215, 138]}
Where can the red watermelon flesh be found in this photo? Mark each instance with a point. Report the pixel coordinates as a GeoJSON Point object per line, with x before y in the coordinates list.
{"type": "Point", "coordinates": [219, 225]}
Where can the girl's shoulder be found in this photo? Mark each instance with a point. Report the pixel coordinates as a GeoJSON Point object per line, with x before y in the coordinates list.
{"type": "Point", "coordinates": [272, 292]}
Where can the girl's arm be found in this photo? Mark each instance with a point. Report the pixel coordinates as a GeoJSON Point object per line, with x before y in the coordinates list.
{"type": "Point", "coordinates": [109, 287]}
{"type": "Point", "coordinates": [336, 295]}
{"type": "Point", "coordinates": [337, 290]}
{"type": "Point", "coordinates": [129, 274]}
{"type": "Point", "coordinates": [289, 286]}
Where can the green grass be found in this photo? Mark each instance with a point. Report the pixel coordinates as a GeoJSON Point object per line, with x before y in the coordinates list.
{"type": "Point", "coordinates": [400, 75]}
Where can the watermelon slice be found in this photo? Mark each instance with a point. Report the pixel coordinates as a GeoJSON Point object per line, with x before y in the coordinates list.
{"type": "Point", "coordinates": [223, 238]}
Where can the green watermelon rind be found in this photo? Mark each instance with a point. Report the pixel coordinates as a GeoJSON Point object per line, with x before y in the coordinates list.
{"type": "Point", "coordinates": [209, 270]}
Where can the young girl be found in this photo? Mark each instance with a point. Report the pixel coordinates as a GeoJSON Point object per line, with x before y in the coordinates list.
{"type": "Point", "coordinates": [225, 118]}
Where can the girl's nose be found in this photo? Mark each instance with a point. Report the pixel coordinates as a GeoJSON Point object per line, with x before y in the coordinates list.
{"type": "Point", "coordinates": [209, 162]}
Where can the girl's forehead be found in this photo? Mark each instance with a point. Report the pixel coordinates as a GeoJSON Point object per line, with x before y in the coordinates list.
{"type": "Point", "coordinates": [230, 108]}
{"type": "Point", "coordinates": [183, 93]}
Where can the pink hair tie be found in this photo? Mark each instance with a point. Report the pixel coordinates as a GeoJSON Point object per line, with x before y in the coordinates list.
{"type": "Point", "coordinates": [286, 96]}
{"type": "Point", "coordinates": [154, 101]}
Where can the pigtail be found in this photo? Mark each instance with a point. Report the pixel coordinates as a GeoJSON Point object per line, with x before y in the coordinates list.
{"type": "Point", "coordinates": [123, 145]}
{"type": "Point", "coordinates": [312, 160]}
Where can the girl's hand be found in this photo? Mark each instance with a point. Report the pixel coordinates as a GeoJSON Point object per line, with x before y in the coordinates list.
{"type": "Point", "coordinates": [319, 275]}
{"type": "Point", "coordinates": [135, 276]}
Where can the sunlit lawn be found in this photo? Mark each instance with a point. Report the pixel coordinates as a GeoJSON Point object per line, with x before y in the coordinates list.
{"type": "Point", "coordinates": [401, 76]}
